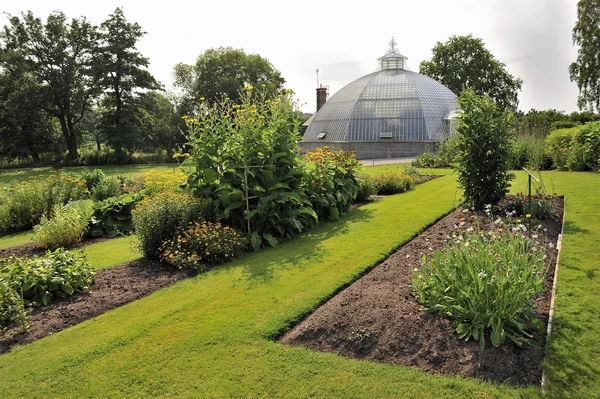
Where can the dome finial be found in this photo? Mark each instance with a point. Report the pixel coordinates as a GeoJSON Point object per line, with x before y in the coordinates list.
{"type": "Point", "coordinates": [392, 44]}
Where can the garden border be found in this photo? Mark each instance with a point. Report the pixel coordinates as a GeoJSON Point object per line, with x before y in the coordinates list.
{"type": "Point", "coordinates": [553, 295]}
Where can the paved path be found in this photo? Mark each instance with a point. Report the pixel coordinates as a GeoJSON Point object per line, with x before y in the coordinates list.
{"type": "Point", "coordinates": [386, 161]}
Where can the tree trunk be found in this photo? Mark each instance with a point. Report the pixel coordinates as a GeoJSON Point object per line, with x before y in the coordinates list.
{"type": "Point", "coordinates": [69, 135]}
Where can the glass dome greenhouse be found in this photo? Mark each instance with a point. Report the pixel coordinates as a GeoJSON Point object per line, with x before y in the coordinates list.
{"type": "Point", "coordinates": [392, 112]}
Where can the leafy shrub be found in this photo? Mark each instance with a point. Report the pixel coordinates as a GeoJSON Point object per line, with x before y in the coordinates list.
{"type": "Point", "coordinates": [26, 202]}
{"type": "Point", "coordinates": [587, 141]}
{"type": "Point", "coordinates": [412, 172]}
{"type": "Point", "coordinates": [330, 181]}
{"type": "Point", "coordinates": [113, 216]}
{"type": "Point", "coordinates": [484, 138]}
{"type": "Point", "coordinates": [366, 188]}
{"type": "Point", "coordinates": [485, 282]}
{"type": "Point", "coordinates": [558, 147]}
{"type": "Point", "coordinates": [392, 182]}
{"type": "Point", "coordinates": [110, 187]}
{"type": "Point", "coordinates": [65, 228]}
{"type": "Point", "coordinates": [425, 160]}
{"type": "Point", "coordinates": [57, 274]}
{"type": "Point", "coordinates": [157, 218]}
{"type": "Point", "coordinates": [203, 243]}
{"type": "Point", "coordinates": [92, 178]}
{"type": "Point", "coordinates": [564, 125]}
{"type": "Point", "coordinates": [248, 150]}
{"type": "Point", "coordinates": [12, 309]}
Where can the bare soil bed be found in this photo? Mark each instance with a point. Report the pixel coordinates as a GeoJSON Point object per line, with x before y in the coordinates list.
{"type": "Point", "coordinates": [377, 318]}
{"type": "Point", "coordinates": [112, 287]}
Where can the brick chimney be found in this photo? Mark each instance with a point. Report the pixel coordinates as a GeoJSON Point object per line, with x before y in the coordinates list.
{"type": "Point", "coordinates": [321, 97]}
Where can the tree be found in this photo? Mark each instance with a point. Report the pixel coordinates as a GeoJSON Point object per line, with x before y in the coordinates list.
{"type": "Point", "coordinates": [161, 122]}
{"type": "Point", "coordinates": [59, 58]}
{"type": "Point", "coordinates": [586, 70]}
{"type": "Point", "coordinates": [464, 63]}
{"type": "Point", "coordinates": [223, 73]}
{"type": "Point", "coordinates": [25, 128]}
{"type": "Point", "coordinates": [484, 138]}
{"type": "Point", "coordinates": [122, 71]}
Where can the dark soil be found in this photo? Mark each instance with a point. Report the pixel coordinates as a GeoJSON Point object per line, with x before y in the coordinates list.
{"type": "Point", "coordinates": [377, 318]}
{"type": "Point", "coordinates": [112, 287]}
{"type": "Point", "coordinates": [30, 249]}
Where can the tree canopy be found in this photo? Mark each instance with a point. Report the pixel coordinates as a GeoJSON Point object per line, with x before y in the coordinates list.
{"type": "Point", "coordinates": [586, 69]}
{"type": "Point", "coordinates": [463, 63]}
{"type": "Point", "coordinates": [223, 73]}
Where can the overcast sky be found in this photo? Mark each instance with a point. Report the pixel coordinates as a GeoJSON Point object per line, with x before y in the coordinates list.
{"type": "Point", "coordinates": [343, 39]}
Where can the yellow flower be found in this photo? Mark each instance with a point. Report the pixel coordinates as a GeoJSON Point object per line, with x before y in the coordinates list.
{"type": "Point", "coordinates": [528, 215]}
{"type": "Point", "coordinates": [202, 98]}
{"type": "Point", "coordinates": [288, 90]}
{"type": "Point", "coordinates": [249, 87]}
{"type": "Point", "coordinates": [263, 85]}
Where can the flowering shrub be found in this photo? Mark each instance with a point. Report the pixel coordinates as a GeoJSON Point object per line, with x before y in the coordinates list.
{"type": "Point", "coordinates": [243, 158]}
{"type": "Point", "coordinates": [157, 218]}
{"type": "Point", "coordinates": [203, 243]}
{"type": "Point", "coordinates": [330, 181]}
{"type": "Point", "coordinates": [485, 281]}
{"type": "Point", "coordinates": [65, 228]}
{"type": "Point", "coordinates": [392, 182]}
{"type": "Point", "coordinates": [40, 279]}
{"type": "Point", "coordinates": [26, 202]}
{"type": "Point", "coordinates": [155, 181]}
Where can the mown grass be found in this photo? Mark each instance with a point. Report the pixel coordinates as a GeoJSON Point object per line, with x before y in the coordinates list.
{"type": "Point", "coordinates": [13, 239]}
{"type": "Point", "coordinates": [210, 336]}
{"type": "Point", "coordinates": [111, 252]}
{"type": "Point", "coordinates": [131, 171]}
{"type": "Point", "coordinates": [573, 361]}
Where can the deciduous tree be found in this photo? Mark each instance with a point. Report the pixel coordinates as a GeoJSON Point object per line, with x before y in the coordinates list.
{"type": "Point", "coordinates": [463, 63]}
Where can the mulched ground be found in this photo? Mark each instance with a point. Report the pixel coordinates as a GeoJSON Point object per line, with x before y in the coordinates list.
{"type": "Point", "coordinates": [377, 318]}
{"type": "Point", "coordinates": [111, 288]}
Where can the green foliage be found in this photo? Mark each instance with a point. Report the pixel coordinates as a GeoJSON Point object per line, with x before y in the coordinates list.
{"type": "Point", "coordinates": [113, 216]}
{"type": "Point", "coordinates": [586, 69]}
{"type": "Point", "coordinates": [110, 187]}
{"type": "Point", "coordinates": [201, 244]}
{"type": "Point", "coordinates": [25, 203]}
{"type": "Point", "coordinates": [249, 150]}
{"type": "Point", "coordinates": [463, 63]}
{"type": "Point", "coordinates": [392, 182]}
{"type": "Point", "coordinates": [92, 178]}
{"type": "Point", "coordinates": [58, 274]}
{"type": "Point", "coordinates": [366, 187]}
{"type": "Point", "coordinates": [330, 181]}
{"type": "Point", "coordinates": [539, 209]}
{"type": "Point", "coordinates": [12, 309]}
{"type": "Point", "coordinates": [587, 139]}
{"type": "Point", "coordinates": [66, 227]}
{"type": "Point", "coordinates": [530, 152]}
{"type": "Point", "coordinates": [558, 147]}
{"type": "Point", "coordinates": [224, 72]}
{"type": "Point", "coordinates": [425, 160]}
{"type": "Point", "coordinates": [122, 70]}
{"type": "Point", "coordinates": [485, 282]}
{"type": "Point", "coordinates": [158, 218]}
{"type": "Point", "coordinates": [563, 125]}
{"type": "Point", "coordinates": [484, 139]}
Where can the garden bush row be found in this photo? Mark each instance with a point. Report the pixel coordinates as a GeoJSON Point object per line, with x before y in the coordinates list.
{"type": "Point", "coordinates": [26, 282]}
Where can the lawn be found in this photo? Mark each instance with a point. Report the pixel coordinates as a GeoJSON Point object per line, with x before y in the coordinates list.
{"type": "Point", "coordinates": [131, 171]}
{"type": "Point", "coordinates": [111, 252]}
{"type": "Point", "coordinates": [211, 335]}
{"type": "Point", "coordinates": [13, 239]}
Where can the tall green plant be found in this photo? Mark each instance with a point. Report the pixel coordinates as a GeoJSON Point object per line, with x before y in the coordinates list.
{"type": "Point", "coordinates": [484, 139]}
{"type": "Point", "coordinates": [244, 165]}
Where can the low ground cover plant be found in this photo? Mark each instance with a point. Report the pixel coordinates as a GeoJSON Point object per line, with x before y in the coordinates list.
{"type": "Point", "coordinates": [203, 244]}
{"type": "Point", "coordinates": [485, 279]}
{"type": "Point", "coordinates": [66, 226]}
{"type": "Point", "coordinates": [36, 281]}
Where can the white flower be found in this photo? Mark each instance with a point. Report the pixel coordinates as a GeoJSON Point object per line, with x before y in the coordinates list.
{"type": "Point", "coordinates": [551, 244]}
{"type": "Point", "coordinates": [482, 274]}
{"type": "Point", "coordinates": [470, 229]}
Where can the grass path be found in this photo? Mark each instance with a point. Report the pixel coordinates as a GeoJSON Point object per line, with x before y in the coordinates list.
{"type": "Point", "coordinates": [209, 336]}
{"type": "Point", "coordinates": [111, 252]}
{"type": "Point", "coordinates": [14, 239]}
